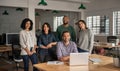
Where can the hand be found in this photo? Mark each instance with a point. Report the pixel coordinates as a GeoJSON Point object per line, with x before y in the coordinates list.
{"type": "Point", "coordinates": [35, 46]}
{"type": "Point", "coordinates": [34, 51]}
{"type": "Point", "coordinates": [45, 47]}
{"type": "Point", "coordinates": [49, 45]}
{"type": "Point", "coordinates": [30, 53]}
{"type": "Point", "coordinates": [65, 59]}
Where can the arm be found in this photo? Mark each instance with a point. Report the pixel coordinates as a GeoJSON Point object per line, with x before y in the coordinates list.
{"type": "Point", "coordinates": [54, 42]}
{"type": "Point", "coordinates": [91, 41]}
{"type": "Point", "coordinates": [65, 58]}
{"type": "Point", "coordinates": [73, 34]}
{"type": "Point", "coordinates": [40, 42]}
{"type": "Point", "coordinates": [60, 53]}
{"type": "Point", "coordinates": [35, 44]}
{"type": "Point", "coordinates": [75, 50]}
{"type": "Point", "coordinates": [58, 33]}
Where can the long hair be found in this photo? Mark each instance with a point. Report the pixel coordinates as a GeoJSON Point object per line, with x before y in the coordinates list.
{"type": "Point", "coordinates": [83, 23]}
{"type": "Point", "coordinates": [48, 25]}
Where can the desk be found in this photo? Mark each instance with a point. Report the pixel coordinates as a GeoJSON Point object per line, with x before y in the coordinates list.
{"type": "Point", "coordinates": [104, 45]}
{"type": "Point", "coordinates": [98, 48]}
{"type": "Point", "coordinates": [4, 48]}
{"type": "Point", "coordinates": [105, 65]}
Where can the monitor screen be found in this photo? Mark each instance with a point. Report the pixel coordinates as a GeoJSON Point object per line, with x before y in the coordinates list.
{"type": "Point", "coordinates": [10, 38]}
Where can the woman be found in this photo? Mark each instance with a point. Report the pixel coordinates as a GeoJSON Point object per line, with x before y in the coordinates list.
{"type": "Point", "coordinates": [47, 42]}
{"type": "Point", "coordinates": [85, 38]}
{"type": "Point", "coordinates": [28, 44]}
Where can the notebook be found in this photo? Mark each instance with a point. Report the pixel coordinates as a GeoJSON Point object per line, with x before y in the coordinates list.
{"type": "Point", "coordinates": [79, 58]}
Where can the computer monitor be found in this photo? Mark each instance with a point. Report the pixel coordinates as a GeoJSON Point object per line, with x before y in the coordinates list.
{"type": "Point", "coordinates": [9, 38]}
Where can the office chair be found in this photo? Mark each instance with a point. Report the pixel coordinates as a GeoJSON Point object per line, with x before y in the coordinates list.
{"type": "Point", "coordinates": [16, 53]}
{"type": "Point", "coordinates": [110, 39]}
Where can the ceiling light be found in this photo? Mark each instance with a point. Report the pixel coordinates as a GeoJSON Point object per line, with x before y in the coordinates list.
{"type": "Point", "coordinates": [82, 6]}
{"type": "Point", "coordinates": [5, 13]}
{"type": "Point", "coordinates": [55, 12]}
{"type": "Point", "coordinates": [19, 9]}
{"type": "Point", "coordinates": [42, 3]}
{"type": "Point", "coordinates": [37, 14]}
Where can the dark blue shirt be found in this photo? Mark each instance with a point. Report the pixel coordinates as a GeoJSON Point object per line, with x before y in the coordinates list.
{"type": "Point", "coordinates": [44, 40]}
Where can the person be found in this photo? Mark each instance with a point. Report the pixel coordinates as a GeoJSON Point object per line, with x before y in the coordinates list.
{"type": "Point", "coordinates": [66, 27]}
{"type": "Point", "coordinates": [47, 42]}
{"type": "Point", "coordinates": [28, 44]}
{"type": "Point", "coordinates": [65, 47]}
{"type": "Point", "coordinates": [85, 39]}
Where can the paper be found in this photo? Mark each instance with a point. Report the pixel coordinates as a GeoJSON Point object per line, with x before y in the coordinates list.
{"type": "Point", "coordinates": [55, 63]}
{"type": "Point", "coordinates": [95, 60]}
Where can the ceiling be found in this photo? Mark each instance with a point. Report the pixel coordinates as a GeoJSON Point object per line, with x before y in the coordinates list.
{"type": "Point", "coordinates": [76, 1]}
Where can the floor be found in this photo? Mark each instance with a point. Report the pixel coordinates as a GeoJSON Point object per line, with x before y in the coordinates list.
{"type": "Point", "coordinates": [8, 65]}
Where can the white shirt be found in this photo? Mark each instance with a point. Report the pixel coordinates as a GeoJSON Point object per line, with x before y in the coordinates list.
{"type": "Point", "coordinates": [27, 40]}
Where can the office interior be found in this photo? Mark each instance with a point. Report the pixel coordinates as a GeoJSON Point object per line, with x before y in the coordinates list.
{"type": "Point", "coordinates": [103, 15]}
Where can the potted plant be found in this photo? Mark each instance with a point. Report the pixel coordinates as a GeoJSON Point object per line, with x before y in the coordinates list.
{"type": "Point", "coordinates": [116, 56]}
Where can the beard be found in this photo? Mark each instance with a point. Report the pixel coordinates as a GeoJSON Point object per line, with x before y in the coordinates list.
{"type": "Point", "coordinates": [65, 23]}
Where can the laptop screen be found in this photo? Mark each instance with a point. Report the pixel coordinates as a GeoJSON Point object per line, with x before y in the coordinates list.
{"type": "Point", "coordinates": [79, 58]}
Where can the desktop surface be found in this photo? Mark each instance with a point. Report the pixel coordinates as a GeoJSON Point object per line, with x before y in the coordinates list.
{"type": "Point", "coordinates": [106, 64]}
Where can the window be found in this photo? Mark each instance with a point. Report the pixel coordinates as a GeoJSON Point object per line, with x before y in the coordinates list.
{"type": "Point", "coordinates": [58, 20]}
{"type": "Point", "coordinates": [116, 22]}
{"type": "Point", "coordinates": [98, 24]}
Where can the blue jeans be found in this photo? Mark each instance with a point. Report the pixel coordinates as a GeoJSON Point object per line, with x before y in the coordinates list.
{"type": "Point", "coordinates": [33, 59]}
{"type": "Point", "coordinates": [81, 50]}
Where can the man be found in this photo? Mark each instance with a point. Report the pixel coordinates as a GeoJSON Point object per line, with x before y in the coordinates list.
{"type": "Point", "coordinates": [66, 27]}
{"type": "Point", "coordinates": [65, 47]}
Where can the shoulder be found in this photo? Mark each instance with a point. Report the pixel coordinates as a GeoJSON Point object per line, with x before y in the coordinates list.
{"type": "Point", "coordinates": [22, 31]}
{"type": "Point", "coordinates": [89, 30]}
{"type": "Point", "coordinates": [60, 26]}
{"type": "Point", "coordinates": [42, 34]}
{"type": "Point", "coordinates": [59, 43]}
{"type": "Point", "coordinates": [72, 43]}
{"type": "Point", "coordinates": [71, 27]}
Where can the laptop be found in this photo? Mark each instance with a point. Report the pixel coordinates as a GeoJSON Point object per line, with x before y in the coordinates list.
{"type": "Point", "coordinates": [79, 59]}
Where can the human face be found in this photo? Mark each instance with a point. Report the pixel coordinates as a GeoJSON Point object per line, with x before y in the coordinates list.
{"type": "Point", "coordinates": [65, 20]}
{"type": "Point", "coordinates": [46, 29]}
{"type": "Point", "coordinates": [66, 37]}
{"type": "Point", "coordinates": [27, 25]}
{"type": "Point", "coordinates": [81, 25]}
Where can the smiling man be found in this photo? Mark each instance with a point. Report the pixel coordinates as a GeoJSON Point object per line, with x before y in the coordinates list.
{"type": "Point", "coordinates": [65, 47]}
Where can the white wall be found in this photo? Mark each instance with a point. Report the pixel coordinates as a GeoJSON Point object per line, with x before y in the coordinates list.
{"type": "Point", "coordinates": [101, 8]}
{"type": "Point", "coordinates": [47, 16]}
{"type": "Point", "coordinates": [11, 23]}
{"type": "Point", "coordinates": [33, 4]}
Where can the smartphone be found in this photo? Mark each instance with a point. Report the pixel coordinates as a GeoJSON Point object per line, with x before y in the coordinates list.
{"type": "Point", "coordinates": [31, 48]}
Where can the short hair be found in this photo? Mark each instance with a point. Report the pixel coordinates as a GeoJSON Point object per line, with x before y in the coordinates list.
{"type": "Point", "coordinates": [65, 16]}
{"type": "Point", "coordinates": [48, 25]}
{"type": "Point", "coordinates": [24, 23]}
{"type": "Point", "coordinates": [65, 32]}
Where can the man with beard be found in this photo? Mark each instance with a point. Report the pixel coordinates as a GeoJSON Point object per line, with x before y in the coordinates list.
{"type": "Point", "coordinates": [66, 27]}
{"type": "Point", "coordinates": [65, 47]}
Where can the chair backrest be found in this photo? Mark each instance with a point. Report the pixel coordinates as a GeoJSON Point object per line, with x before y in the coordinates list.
{"type": "Point", "coordinates": [111, 39]}
{"type": "Point", "coordinates": [16, 48]}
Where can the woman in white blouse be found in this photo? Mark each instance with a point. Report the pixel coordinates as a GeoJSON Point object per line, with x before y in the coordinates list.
{"type": "Point", "coordinates": [28, 44]}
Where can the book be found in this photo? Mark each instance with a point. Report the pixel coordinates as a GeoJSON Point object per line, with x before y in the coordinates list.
{"type": "Point", "coordinates": [55, 63]}
{"type": "Point", "coordinates": [95, 60]}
